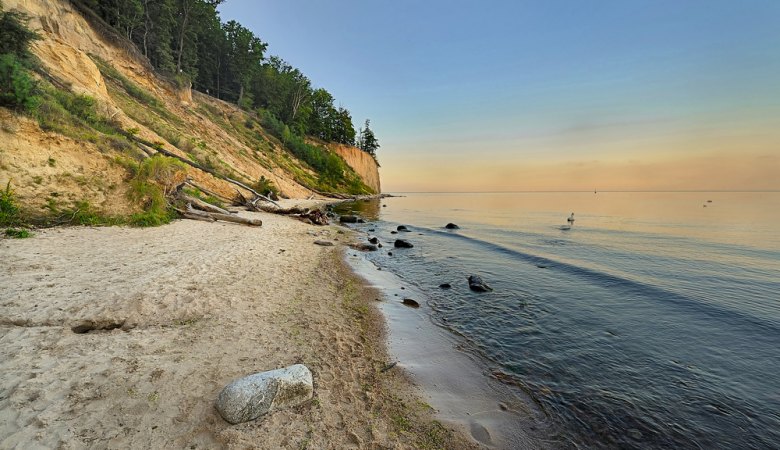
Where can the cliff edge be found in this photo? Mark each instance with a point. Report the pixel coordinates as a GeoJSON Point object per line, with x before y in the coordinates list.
{"type": "Point", "coordinates": [362, 163]}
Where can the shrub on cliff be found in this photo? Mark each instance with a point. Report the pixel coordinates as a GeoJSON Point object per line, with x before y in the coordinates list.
{"type": "Point", "coordinates": [9, 211]}
{"type": "Point", "coordinates": [17, 88]}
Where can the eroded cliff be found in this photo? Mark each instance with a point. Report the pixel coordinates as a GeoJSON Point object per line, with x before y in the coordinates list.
{"type": "Point", "coordinates": [53, 164]}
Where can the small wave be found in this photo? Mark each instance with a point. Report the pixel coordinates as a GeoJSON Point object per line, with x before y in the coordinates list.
{"type": "Point", "coordinates": [604, 279]}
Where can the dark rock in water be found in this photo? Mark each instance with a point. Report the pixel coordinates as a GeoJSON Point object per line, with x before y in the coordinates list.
{"type": "Point", "coordinates": [403, 243]}
{"type": "Point", "coordinates": [364, 247]}
{"type": "Point", "coordinates": [445, 285]}
{"type": "Point", "coordinates": [348, 219]}
{"type": "Point", "coordinates": [371, 230]}
{"type": "Point", "coordinates": [541, 266]}
{"type": "Point", "coordinates": [389, 253]}
{"type": "Point", "coordinates": [410, 302]}
{"type": "Point", "coordinates": [361, 221]}
{"type": "Point", "coordinates": [402, 228]}
{"type": "Point", "coordinates": [393, 232]}
{"type": "Point", "coordinates": [324, 243]}
{"type": "Point", "coordinates": [373, 240]}
{"type": "Point", "coordinates": [634, 434]}
{"type": "Point", "coordinates": [477, 285]}
{"type": "Point", "coordinates": [379, 245]}
{"type": "Point", "coordinates": [451, 226]}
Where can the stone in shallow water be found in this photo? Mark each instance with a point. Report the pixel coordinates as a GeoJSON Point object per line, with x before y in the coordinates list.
{"type": "Point", "coordinates": [363, 247]}
{"type": "Point", "coordinates": [324, 243]}
{"type": "Point", "coordinates": [349, 219]}
{"type": "Point", "coordinates": [402, 243]}
{"type": "Point", "coordinates": [410, 302]}
{"type": "Point", "coordinates": [478, 285]}
{"type": "Point", "coordinates": [250, 397]}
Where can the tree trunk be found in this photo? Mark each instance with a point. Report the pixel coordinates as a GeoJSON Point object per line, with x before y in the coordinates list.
{"type": "Point", "coordinates": [200, 204]}
{"type": "Point", "coordinates": [186, 8]}
{"type": "Point", "coordinates": [226, 217]}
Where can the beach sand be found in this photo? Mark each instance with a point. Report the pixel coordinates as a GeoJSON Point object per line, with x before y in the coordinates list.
{"type": "Point", "coordinates": [193, 306]}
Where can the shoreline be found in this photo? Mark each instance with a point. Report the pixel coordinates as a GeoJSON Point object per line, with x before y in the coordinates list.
{"type": "Point", "coordinates": [195, 306]}
{"type": "Point", "coordinates": [455, 382]}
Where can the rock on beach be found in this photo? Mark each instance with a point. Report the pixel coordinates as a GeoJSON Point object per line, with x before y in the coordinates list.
{"type": "Point", "coordinates": [363, 247]}
{"type": "Point", "coordinates": [253, 396]}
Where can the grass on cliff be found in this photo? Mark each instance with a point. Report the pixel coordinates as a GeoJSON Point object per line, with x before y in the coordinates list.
{"type": "Point", "coordinates": [333, 173]}
{"type": "Point", "coordinates": [152, 183]}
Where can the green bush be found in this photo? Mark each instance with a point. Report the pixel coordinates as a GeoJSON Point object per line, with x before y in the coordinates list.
{"type": "Point", "coordinates": [17, 87]}
{"type": "Point", "coordinates": [154, 180]}
{"type": "Point", "coordinates": [73, 115]}
{"type": "Point", "coordinates": [17, 233]}
{"type": "Point", "coordinates": [9, 211]}
{"type": "Point", "coordinates": [15, 37]}
{"type": "Point", "coordinates": [266, 186]}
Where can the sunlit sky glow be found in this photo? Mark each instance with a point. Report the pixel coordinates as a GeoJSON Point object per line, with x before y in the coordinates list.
{"type": "Point", "coordinates": [547, 95]}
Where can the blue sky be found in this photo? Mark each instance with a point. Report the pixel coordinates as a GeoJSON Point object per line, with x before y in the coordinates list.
{"type": "Point", "coordinates": [539, 86]}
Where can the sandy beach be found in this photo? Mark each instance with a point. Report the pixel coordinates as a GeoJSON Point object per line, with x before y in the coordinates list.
{"type": "Point", "coordinates": [175, 313]}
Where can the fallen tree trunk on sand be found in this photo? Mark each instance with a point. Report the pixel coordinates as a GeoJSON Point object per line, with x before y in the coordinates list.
{"type": "Point", "coordinates": [203, 206]}
{"type": "Point", "coordinates": [187, 215]}
{"type": "Point", "coordinates": [310, 216]}
{"type": "Point", "coordinates": [225, 217]}
{"type": "Point", "coordinates": [147, 146]}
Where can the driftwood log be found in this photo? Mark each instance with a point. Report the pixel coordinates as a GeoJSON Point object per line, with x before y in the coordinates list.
{"type": "Point", "coordinates": [225, 217]}
{"type": "Point", "coordinates": [201, 205]}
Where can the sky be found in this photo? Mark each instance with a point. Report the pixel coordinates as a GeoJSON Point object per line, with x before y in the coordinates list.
{"type": "Point", "coordinates": [470, 96]}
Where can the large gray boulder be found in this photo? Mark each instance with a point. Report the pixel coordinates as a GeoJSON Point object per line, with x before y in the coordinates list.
{"type": "Point", "coordinates": [250, 397]}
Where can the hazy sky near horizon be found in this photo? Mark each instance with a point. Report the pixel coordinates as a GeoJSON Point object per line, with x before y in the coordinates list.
{"type": "Point", "coordinates": [546, 95]}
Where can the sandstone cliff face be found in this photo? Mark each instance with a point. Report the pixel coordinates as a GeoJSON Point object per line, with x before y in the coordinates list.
{"type": "Point", "coordinates": [362, 163]}
{"type": "Point", "coordinates": [41, 163]}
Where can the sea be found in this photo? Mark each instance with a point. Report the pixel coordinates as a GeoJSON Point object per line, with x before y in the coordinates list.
{"type": "Point", "coordinates": [651, 321]}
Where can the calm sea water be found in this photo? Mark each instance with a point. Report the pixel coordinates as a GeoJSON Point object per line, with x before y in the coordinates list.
{"type": "Point", "coordinates": [654, 322]}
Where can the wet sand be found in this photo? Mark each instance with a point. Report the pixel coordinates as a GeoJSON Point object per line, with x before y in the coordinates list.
{"type": "Point", "coordinates": [176, 313]}
{"type": "Point", "coordinates": [456, 384]}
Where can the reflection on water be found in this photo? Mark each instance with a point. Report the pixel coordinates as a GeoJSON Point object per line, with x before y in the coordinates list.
{"type": "Point", "coordinates": [653, 322]}
{"type": "Point", "coordinates": [367, 209]}
{"type": "Point", "coordinates": [728, 217]}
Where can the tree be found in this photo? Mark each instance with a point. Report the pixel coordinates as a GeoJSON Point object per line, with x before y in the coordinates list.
{"type": "Point", "coordinates": [17, 87]}
{"type": "Point", "coordinates": [367, 141]}
{"type": "Point", "coordinates": [15, 37]}
{"type": "Point", "coordinates": [245, 53]}
{"type": "Point", "coordinates": [344, 131]}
